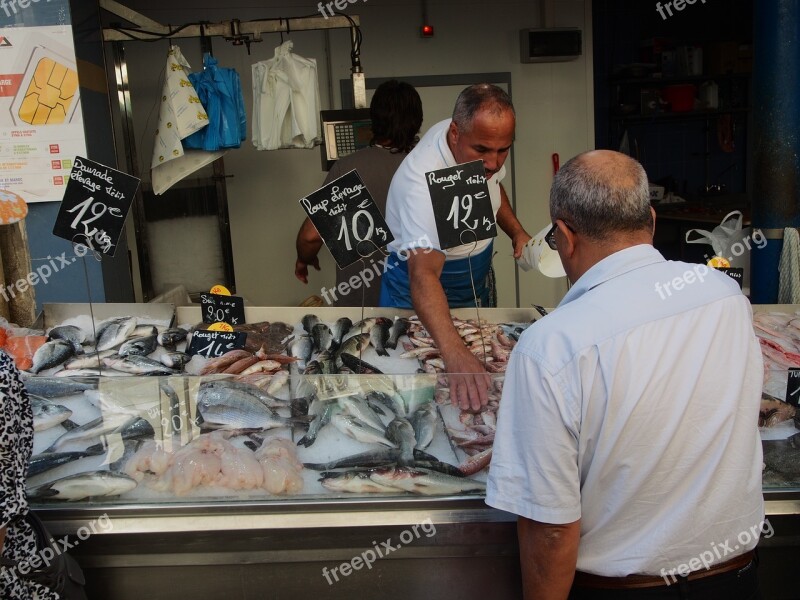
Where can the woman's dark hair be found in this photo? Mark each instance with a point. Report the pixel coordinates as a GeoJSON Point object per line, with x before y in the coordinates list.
{"type": "Point", "coordinates": [396, 113]}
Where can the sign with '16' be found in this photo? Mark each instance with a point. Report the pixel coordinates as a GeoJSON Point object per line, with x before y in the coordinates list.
{"type": "Point", "coordinates": [95, 204]}
{"type": "Point", "coordinates": [347, 219]}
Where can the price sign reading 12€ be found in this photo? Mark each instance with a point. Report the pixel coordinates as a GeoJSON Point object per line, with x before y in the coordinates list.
{"type": "Point", "coordinates": [461, 204]}
{"type": "Point", "coordinates": [345, 215]}
{"type": "Point", "coordinates": [95, 204]}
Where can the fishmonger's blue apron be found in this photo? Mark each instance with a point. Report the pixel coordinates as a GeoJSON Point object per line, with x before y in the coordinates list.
{"type": "Point", "coordinates": [455, 278]}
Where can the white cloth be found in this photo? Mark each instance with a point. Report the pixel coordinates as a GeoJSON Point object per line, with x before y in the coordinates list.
{"type": "Point", "coordinates": [285, 101]}
{"type": "Point", "coordinates": [181, 114]}
{"type": "Point", "coordinates": [789, 267]}
{"type": "Point", "coordinates": [409, 211]}
{"type": "Point", "coordinates": [636, 411]}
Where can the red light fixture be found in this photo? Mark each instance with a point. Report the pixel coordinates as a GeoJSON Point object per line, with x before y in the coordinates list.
{"type": "Point", "coordinates": [427, 31]}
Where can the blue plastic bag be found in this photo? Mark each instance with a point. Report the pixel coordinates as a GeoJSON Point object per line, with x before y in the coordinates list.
{"type": "Point", "coordinates": [220, 93]}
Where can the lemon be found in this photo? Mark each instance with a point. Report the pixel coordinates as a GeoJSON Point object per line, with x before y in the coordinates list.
{"type": "Point", "coordinates": [718, 262]}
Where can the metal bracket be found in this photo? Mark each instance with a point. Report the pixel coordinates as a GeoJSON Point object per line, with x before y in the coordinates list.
{"type": "Point", "coordinates": [224, 29]}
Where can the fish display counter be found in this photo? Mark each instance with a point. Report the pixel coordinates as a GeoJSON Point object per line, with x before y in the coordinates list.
{"type": "Point", "coordinates": [326, 442]}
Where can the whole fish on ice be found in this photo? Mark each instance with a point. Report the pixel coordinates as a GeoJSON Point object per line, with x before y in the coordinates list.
{"type": "Point", "coordinates": [84, 485]}
{"type": "Point", "coordinates": [52, 354]}
{"type": "Point", "coordinates": [47, 414]}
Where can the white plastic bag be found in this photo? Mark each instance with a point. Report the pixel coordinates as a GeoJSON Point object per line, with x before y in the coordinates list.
{"type": "Point", "coordinates": [729, 241]}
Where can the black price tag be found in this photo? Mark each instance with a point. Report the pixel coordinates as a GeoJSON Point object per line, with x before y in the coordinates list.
{"type": "Point", "coordinates": [737, 274]}
{"type": "Point", "coordinates": [793, 388]}
{"type": "Point", "coordinates": [222, 309]}
{"type": "Point", "coordinates": [211, 344]}
{"type": "Point", "coordinates": [461, 204]}
{"type": "Point", "coordinates": [95, 204]}
{"type": "Point", "coordinates": [347, 219]}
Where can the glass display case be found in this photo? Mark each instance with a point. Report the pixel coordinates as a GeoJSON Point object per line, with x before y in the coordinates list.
{"type": "Point", "coordinates": [208, 476]}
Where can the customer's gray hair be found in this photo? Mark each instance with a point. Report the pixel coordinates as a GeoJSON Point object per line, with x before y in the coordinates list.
{"type": "Point", "coordinates": [477, 96]}
{"type": "Point", "coordinates": [598, 202]}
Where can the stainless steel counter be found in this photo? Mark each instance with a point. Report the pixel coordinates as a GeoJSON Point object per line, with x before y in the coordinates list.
{"type": "Point", "coordinates": [450, 548]}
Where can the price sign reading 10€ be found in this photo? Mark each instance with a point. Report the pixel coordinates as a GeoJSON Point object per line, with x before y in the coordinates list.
{"type": "Point", "coordinates": [347, 219]}
{"type": "Point", "coordinates": [462, 206]}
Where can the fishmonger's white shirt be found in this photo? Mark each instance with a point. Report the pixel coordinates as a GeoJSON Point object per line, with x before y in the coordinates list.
{"type": "Point", "coordinates": [409, 212]}
{"type": "Point", "coordinates": [634, 408]}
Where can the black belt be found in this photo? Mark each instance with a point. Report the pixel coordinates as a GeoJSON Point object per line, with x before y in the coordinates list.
{"type": "Point", "coordinates": [587, 580]}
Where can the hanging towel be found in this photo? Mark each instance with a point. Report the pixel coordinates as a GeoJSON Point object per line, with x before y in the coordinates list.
{"type": "Point", "coordinates": [789, 267]}
{"type": "Point", "coordinates": [181, 115]}
{"type": "Point", "coordinates": [220, 91]}
{"type": "Point", "coordinates": [285, 101]}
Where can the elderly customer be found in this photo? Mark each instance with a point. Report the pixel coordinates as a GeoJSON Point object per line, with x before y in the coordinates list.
{"type": "Point", "coordinates": [627, 438]}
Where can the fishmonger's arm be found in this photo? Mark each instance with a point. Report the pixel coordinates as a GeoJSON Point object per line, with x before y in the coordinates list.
{"type": "Point", "coordinates": [308, 245]}
{"type": "Point", "coordinates": [471, 390]}
{"type": "Point", "coordinates": [548, 555]}
{"type": "Point", "coordinates": [509, 223]}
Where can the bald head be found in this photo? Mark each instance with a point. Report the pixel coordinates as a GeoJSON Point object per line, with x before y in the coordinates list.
{"type": "Point", "coordinates": [602, 194]}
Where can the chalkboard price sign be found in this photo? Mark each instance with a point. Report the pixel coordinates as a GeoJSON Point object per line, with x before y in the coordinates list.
{"type": "Point", "coordinates": [461, 204]}
{"type": "Point", "coordinates": [211, 344]}
{"type": "Point", "coordinates": [737, 274]}
{"type": "Point", "coordinates": [793, 388]}
{"type": "Point", "coordinates": [347, 219]}
{"type": "Point", "coordinates": [216, 308]}
{"type": "Point", "coordinates": [96, 201]}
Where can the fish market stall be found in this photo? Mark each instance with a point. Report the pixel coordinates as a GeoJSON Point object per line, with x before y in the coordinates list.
{"type": "Point", "coordinates": [321, 459]}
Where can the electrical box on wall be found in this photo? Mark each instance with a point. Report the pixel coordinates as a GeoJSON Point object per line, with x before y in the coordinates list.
{"type": "Point", "coordinates": [550, 45]}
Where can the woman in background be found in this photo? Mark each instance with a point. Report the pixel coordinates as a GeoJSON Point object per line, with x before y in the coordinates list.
{"type": "Point", "coordinates": [17, 540]}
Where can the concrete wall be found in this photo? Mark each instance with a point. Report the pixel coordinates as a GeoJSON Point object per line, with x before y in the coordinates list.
{"type": "Point", "coordinates": [553, 101]}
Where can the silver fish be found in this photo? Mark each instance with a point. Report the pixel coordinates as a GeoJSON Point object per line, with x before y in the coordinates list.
{"type": "Point", "coordinates": [301, 348]}
{"type": "Point", "coordinates": [139, 346]}
{"type": "Point", "coordinates": [322, 337]}
{"type": "Point", "coordinates": [174, 360]}
{"type": "Point", "coordinates": [401, 433]}
{"type": "Point", "coordinates": [362, 326]}
{"type": "Point", "coordinates": [52, 354]}
{"type": "Point", "coordinates": [54, 387]}
{"type": "Point", "coordinates": [353, 346]}
{"type": "Point", "coordinates": [69, 333]}
{"type": "Point", "coordinates": [376, 458]}
{"type": "Point", "coordinates": [112, 333]}
{"type": "Point", "coordinates": [358, 482]}
{"type": "Point", "coordinates": [50, 460]}
{"type": "Point", "coordinates": [424, 423]}
{"type": "Point", "coordinates": [321, 413]}
{"type": "Point", "coordinates": [144, 331]}
{"type": "Point", "coordinates": [425, 481]}
{"type": "Point", "coordinates": [340, 329]}
{"type": "Point", "coordinates": [233, 409]}
{"type": "Point", "coordinates": [398, 329]}
{"type": "Point", "coordinates": [359, 408]}
{"type": "Point", "coordinates": [171, 337]}
{"type": "Point", "coordinates": [85, 485]}
{"type": "Point", "coordinates": [89, 431]}
{"type": "Point", "coordinates": [308, 322]}
{"type": "Point", "coordinates": [93, 360]}
{"type": "Point", "coordinates": [393, 402]}
{"type": "Point", "coordinates": [85, 373]}
{"type": "Point", "coordinates": [137, 365]}
{"type": "Point", "coordinates": [135, 428]}
{"type": "Point", "coordinates": [378, 335]}
{"type": "Point", "coordinates": [360, 431]}
{"type": "Point", "coordinates": [47, 414]}
{"type": "Point", "coordinates": [247, 388]}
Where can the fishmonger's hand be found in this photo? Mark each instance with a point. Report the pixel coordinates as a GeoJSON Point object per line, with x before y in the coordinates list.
{"type": "Point", "coordinates": [468, 380]}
